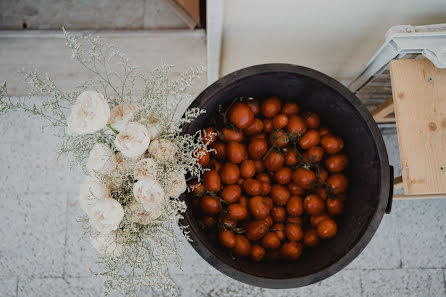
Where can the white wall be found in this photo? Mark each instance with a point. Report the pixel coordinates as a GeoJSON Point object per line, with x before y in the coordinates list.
{"type": "Point", "coordinates": [337, 37]}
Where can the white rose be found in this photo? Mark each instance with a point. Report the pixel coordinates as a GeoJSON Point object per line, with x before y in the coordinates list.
{"type": "Point", "coordinates": [106, 215]}
{"type": "Point", "coordinates": [133, 140]}
{"type": "Point", "coordinates": [145, 168]}
{"type": "Point", "coordinates": [91, 191]}
{"type": "Point", "coordinates": [121, 115]}
{"type": "Point", "coordinates": [89, 114]}
{"type": "Point", "coordinates": [137, 214]}
{"type": "Point", "coordinates": [150, 194]}
{"type": "Point", "coordinates": [101, 160]}
{"type": "Point", "coordinates": [107, 243]}
{"type": "Point", "coordinates": [178, 185]}
{"type": "Point", "coordinates": [162, 149]}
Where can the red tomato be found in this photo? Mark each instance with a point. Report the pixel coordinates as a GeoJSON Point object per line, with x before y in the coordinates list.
{"type": "Point", "coordinates": [241, 115]}
{"type": "Point", "coordinates": [271, 107]}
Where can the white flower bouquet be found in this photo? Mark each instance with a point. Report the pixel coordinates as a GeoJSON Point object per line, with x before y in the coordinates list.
{"type": "Point", "coordinates": [134, 154]}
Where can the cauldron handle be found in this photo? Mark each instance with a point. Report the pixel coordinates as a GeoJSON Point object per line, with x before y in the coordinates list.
{"type": "Point", "coordinates": [390, 198]}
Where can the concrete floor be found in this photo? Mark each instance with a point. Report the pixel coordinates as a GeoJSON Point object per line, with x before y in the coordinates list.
{"type": "Point", "coordinates": [40, 252]}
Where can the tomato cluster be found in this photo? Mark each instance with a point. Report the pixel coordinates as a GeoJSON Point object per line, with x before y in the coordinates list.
{"type": "Point", "coordinates": [275, 181]}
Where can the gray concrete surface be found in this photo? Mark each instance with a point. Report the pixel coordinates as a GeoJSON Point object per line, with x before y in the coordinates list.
{"type": "Point", "coordinates": [86, 14]}
{"type": "Point", "coordinates": [40, 252]}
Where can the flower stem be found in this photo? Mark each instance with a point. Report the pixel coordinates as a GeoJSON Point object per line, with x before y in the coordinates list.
{"type": "Point", "coordinates": [111, 128]}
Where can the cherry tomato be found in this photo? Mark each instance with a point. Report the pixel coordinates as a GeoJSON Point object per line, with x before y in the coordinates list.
{"type": "Point", "coordinates": [256, 229]}
{"type": "Point", "coordinates": [324, 131]}
{"type": "Point", "coordinates": [208, 222]}
{"type": "Point", "coordinates": [269, 220]}
{"type": "Point", "coordinates": [273, 255]}
{"type": "Point", "coordinates": [295, 189]}
{"type": "Point", "coordinates": [271, 241]}
{"type": "Point", "coordinates": [309, 139]}
{"type": "Point", "coordinates": [271, 107]}
{"type": "Point", "coordinates": [229, 173]}
{"type": "Point", "coordinates": [269, 202]}
{"type": "Point", "coordinates": [252, 187]}
{"type": "Point", "coordinates": [295, 206]}
{"type": "Point", "coordinates": [210, 205]}
{"type": "Point", "coordinates": [242, 246]}
{"type": "Point", "coordinates": [338, 183]}
{"type": "Point", "coordinates": [219, 150]}
{"type": "Point", "coordinates": [322, 192]}
{"type": "Point", "coordinates": [228, 134]}
{"type": "Point", "coordinates": [263, 177]}
{"type": "Point", "coordinates": [248, 169]}
{"type": "Point", "coordinates": [255, 128]}
{"type": "Point", "coordinates": [241, 181]}
{"type": "Point", "coordinates": [267, 125]}
{"type": "Point", "coordinates": [231, 193]}
{"type": "Point", "coordinates": [274, 161]}
{"type": "Point", "coordinates": [313, 204]}
{"type": "Point", "coordinates": [257, 253]}
{"type": "Point", "coordinates": [327, 229]}
{"type": "Point", "coordinates": [279, 214]}
{"type": "Point", "coordinates": [279, 138]}
{"type": "Point", "coordinates": [291, 250]}
{"type": "Point", "coordinates": [280, 121]}
{"type": "Point", "coordinates": [294, 232]}
{"type": "Point", "coordinates": [291, 158]}
{"type": "Point", "coordinates": [336, 163]}
{"type": "Point", "coordinates": [280, 231]}
{"type": "Point", "coordinates": [335, 206]}
{"type": "Point", "coordinates": [241, 115]}
{"type": "Point", "coordinates": [253, 104]}
{"type": "Point", "coordinates": [211, 181]}
{"type": "Point", "coordinates": [236, 152]}
{"type": "Point", "coordinates": [260, 167]}
{"type": "Point", "coordinates": [214, 164]}
{"type": "Point", "coordinates": [197, 188]}
{"type": "Point", "coordinates": [312, 119]}
{"type": "Point", "coordinates": [296, 125]}
{"type": "Point", "coordinates": [290, 108]}
{"type": "Point", "coordinates": [280, 194]}
{"type": "Point", "coordinates": [311, 238]}
{"type": "Point", "coordinates": [243, 201]}
{"type": "Point", "coordinates": [258, 207]}
{"type": "Point", "coordinates": [257, 148]}
{"type": "Point", "coordinates": [237, 212]}
{"type": "Point", "coordinates": [227, 239]}
{"type": "Point", "coordinates": [209, 135]}
{"type": "Point", "coordinates": [203, 157]}
{"type": "Point", "coordinates": [283, 175]}
{"type": "Point", "coordinates": [266, 188]}
{"type": "Point", "coordinates": [304, 177]}
{"type": "Point", "coordinates": [294, 220]}
{"type": "Point", "coordinates": [316, 220]}
{"type": "Point", "coordinates": [259, 136]}
{"type": "Point", "coordinates": [332, 144]}
{"type": "Point", "coordinates": [314, 154]}
{"type": "Point", "coordinates": [226, 222]}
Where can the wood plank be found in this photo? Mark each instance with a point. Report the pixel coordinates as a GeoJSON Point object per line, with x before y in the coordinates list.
{"type": "Point", "coordinates": [181, 13]}
{"type": "Point", "coordinates": [192, 7]}
{"type": "Point", "coordinates": [419, 93]}
{"type": "Point", "coordinates": [383, 110]}
{"type": "Point", "coordinates": [397, 182]}
{"type": "Point", "coordinates": [421, 196]}
{"type": "Point", "coordinates": [46, 51]}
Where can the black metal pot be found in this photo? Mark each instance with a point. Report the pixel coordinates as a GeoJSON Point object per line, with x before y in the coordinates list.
{"type": "Point", "coordinates": [371, 177]}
